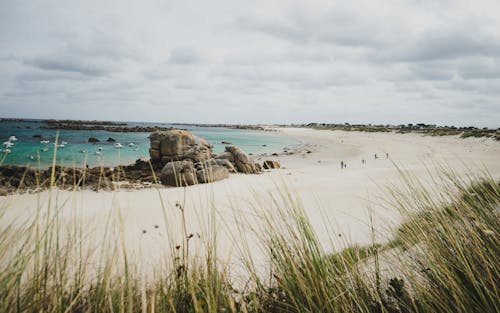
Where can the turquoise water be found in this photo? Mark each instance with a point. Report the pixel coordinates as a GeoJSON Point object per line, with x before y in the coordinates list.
{"type": "Point", "coordinates": [77, 152]}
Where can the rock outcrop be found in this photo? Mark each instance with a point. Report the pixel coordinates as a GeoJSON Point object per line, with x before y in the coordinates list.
{"type": "Point", "coordinates": [178, 145]}
{"type": "Point", "coordinates": [210, 171]}
{"type": "Point", "coordinates": [92, 139]}
{"type": "Point", "coordinates": [179, 173]}
{"type": "Point", "coordinates": [242, 162]}
{"type": "Point", "coordinates": [225, 163]}
{"type": "Point", "coordinates": [187, 173]}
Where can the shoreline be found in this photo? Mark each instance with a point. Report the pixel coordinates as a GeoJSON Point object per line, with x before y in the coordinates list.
{"type": "Point", "coordinates": [343, 197]}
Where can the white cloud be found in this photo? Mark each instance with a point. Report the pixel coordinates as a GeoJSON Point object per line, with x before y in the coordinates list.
{"type": "Point", "coordinates": [258, 61]}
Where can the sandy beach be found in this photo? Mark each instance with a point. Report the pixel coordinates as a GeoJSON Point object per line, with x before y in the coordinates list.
{"type": "Point", "coordinates": [337, 201]}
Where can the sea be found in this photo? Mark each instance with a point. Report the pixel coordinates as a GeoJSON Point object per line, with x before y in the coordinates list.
{"type": "Point", "coordinates": [35, 146]}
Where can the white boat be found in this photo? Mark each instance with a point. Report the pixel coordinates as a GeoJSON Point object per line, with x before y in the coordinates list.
{"type": "Point", "coordinates": [83, 151]}
{"type": "Point", "coordinates": [100, 149]}
{"type": "Point", "coordinates": [131, 144]}
{"type": "Point", "coordinates": [98, 153]}
{"type": "Point", "coordinates": [45, 149]}
{"type": "Point", "coordinates": [117, 145]}
{"type": "Point", "coordinates": [31, 157]}
{"type": "Point", "coordinates": [12, 138]}
{"type": "Point", "coordinates": [8, 144]}
{"type": "Point", "coordinates": [60, 146]}
{"type": "Point", "coordinates": [136, 149]}
{"type": "Point", "coordinates": [44, 141]}
{"type": "Point", "coordinates": [64, 142]}
{"type": "Point", "coordinates": [6, 151]}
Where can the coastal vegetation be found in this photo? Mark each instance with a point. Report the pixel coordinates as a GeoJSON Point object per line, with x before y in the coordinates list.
{"type": "Point", "coordinates": [424, 129]}
{"type": "Point", "coordinates": [443, 258]}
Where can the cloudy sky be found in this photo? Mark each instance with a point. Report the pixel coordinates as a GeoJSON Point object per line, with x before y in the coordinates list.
{"type": "Point", "coordinates": [433, 61]}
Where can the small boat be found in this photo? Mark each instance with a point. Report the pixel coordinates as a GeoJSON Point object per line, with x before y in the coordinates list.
{"type": "Point", "coordinates": [100, 149]}
{"type": "Point", "coordinates": [8, 144]}
{"type": "Point", "coordinates": [44, 141]}
{"type": "Point", "coordinates": [136, 149]}
{"type": "Point", "coordinates": [60, 146]}
{"type": "Point", "coordinates": [83, 151]}
{"type": "Point", "coordinates": [6, 151]}
{"type": "Point", "coordinates": [12, 138]}
{"type": "Point", "coordinates": [45, 149]}
{"type": "Point", "coordinates": [117, 145]}
{"type": "Point", "coordinates": [131, 144]}
{"type": "Point", "coordinates": [30, 157]}
{"type": "Point", "coordinates": [64, 142]}
{"type": "Point", "coordinates": [98, 153]}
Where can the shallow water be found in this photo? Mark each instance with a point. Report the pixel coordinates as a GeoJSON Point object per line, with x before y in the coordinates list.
{"type": "Point", "coordinates": [78, 151]}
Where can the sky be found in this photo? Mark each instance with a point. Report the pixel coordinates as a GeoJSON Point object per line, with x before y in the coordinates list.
{"type": "Point", "coordinates": [381, 62]}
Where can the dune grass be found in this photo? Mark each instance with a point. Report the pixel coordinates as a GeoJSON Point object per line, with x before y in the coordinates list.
{"type": "Point", "coordinates": [443, 258]}
{"type": "Point", "coordinates": [430, 130]}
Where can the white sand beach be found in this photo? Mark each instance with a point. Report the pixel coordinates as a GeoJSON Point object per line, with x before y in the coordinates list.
{"type": "Point", "coordinates": [340, 199]}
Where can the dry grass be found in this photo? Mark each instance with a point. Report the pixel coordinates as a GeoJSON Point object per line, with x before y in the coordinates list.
{"type": "Point", "coordinates": [44, 265]}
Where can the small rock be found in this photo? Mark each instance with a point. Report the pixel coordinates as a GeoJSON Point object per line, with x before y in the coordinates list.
{"type": "Point", "coordinates": [93, 139]}
{"type": "Point", "coordinates": [270, 164]}
{"type": "Point", "coordinates": [243, 163]}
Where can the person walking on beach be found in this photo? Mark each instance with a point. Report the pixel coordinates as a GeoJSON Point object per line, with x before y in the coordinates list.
{"type": "Point", "coordinates": [341, 164]}
{"type": "Point", "coordinates": [387, 155]}
{"type": "Point", "coordinates": [363, 161]}
{"type": "Point", "coordinates": [375, 156]}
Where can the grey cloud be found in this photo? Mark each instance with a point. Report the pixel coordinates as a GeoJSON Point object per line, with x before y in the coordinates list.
{"type": "Point", "coordinates": [480, 69]}
{"type": "Point", "coordinates": [69, 64]}
{"type": "Point", "coordinates": [93, 55]}
{"type": "Point", "coordinates": [42, 75]}
{"type": "Point", "coordinates": [340, 26]}
{"type": "Point", "coordinates": [273, 28]}
{"type": "Point", "coordinates": [288, 75]}
{"type": "Point", "coordinates": [101, 45]}
{"type": "Point", "coordinates": [185, 55]}
{"type": "Point", "coordinates": [431, 71]}
{"type": "Point", "coordinates": [448, 44]}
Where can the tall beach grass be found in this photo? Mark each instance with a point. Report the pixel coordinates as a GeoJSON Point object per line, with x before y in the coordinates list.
{"type": "Point", "coordinates": [442, 258]}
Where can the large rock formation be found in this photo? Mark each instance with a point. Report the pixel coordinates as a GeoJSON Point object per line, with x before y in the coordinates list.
{"type": "Point", "coordinates": [188, 160]}
{"type": "Point", "coordinates": [178, 145]}
{"type": "Point", "coordinates": [242, 162]}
